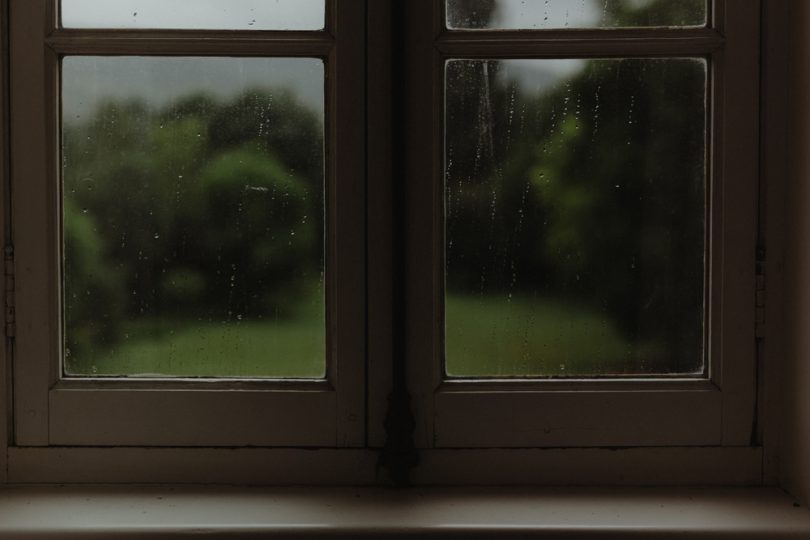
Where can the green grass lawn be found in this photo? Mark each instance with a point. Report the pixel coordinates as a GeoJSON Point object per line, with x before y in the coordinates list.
{"type": "Point", "coordinates": [522, 336]}
{"type": "Point", "coordinates": [255, 349]}
{"type": "Point", "coordinates": [485, 337]}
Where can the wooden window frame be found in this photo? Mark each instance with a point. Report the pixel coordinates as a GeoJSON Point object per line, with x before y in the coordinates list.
{"type": "Point", "coordinates": [399, 281]}
{"type": "Point", "coordinates": [717, 411]}
{"type": "Point", "coordinates": [51, 410]}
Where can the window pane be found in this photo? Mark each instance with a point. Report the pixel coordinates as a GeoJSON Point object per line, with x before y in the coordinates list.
{"type": "Point", "coordinates": [575, 202]}
{"type": "Point", "coordinates": [537, 14]}
{"type": "Point", "coordinates": [193, 216]}
{"type": "Point", "coordinates": [196, 14]}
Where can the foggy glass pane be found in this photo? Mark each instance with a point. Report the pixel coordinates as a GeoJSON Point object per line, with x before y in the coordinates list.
{"type": "Point", "coordinates": [195, 14]}
{"type": "Point", "coordinates": [545, 14]}
{"type": "Point", "coordinates": [575, 204]}
{"type": "Point", "coordinates": [193, 216]}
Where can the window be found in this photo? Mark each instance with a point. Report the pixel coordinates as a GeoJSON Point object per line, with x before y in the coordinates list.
{"type": "Point", "coordinates": [207, 258]}
{"type": "Point", "coordinates": [139, 108]}
{"type": "Point", "coordinates": [515, 139]}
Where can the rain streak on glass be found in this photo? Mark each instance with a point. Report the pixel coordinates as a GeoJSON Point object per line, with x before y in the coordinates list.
{"type": "Point", "coordinates": [558, 14]}
{"type": "Point", "coordinates": [195, 14]}
{"type": "Point", "coordinates": [193, 217]}
{"type": "Point", "coordinates": [575, 217]}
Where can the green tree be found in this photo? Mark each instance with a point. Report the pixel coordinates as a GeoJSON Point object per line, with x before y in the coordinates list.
{"type": "Point", "coordinates": [94, 287]}
{"type": "Point", "coordinates": [205, 210]}
{"type": "Point", "coordinates": [258, 238]}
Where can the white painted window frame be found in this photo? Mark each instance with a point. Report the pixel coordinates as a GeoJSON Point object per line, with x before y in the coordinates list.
{"type": "Point", "coordinates": [715, 411]}
{"type": "Point", "coordinates": [732, 457]}
{"type": "Point", "coordinates": [52, 410]}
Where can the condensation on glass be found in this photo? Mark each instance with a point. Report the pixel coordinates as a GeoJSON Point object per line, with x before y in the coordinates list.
{"type": "Point", "coordinates": [193, 217]}
{"type": "Point", "coordinates": [557, 14]}
{"type": "Point", "coordinates": [575, 217]}
{"type": "Point", "coordinates": [194, 14]}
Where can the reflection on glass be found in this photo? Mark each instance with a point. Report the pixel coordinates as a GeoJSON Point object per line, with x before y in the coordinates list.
{"type": "Point", "coordinates": [195, 15]}
{"type": "Point", "coordinates": [575, 194]}
{"type": "Point", "coordinates": [545, 14]}
{"type": "Point", "coordinates": [193, 215]}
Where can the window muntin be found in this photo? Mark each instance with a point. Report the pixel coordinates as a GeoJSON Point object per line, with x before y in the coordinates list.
{"type": "Point", "coordinates": [576, 193]}
{"type": "Point", "coordinates": [561, 14]}
{"type": "Point", "coordinates": [193, 217]}
{"type": "Point", "coordinates": [196, 15]}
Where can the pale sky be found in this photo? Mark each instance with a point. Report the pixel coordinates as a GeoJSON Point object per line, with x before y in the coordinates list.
{"type": "Point", "coordinates": [302, 14]}
{"type": "Point", "coordinates": [527, 14]}
{"type": "Point", "coordinates": [89, 80]}
{"type": "Point", "coordinates": [520, 14]}
{"type": "Point", "coordinates": [86, 81]}
{"type": "Point", "coordinates": [199, 14]}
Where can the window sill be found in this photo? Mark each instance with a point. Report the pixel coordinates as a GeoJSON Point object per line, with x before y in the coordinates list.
{"type": "Point", "coordinates": [123, 512]}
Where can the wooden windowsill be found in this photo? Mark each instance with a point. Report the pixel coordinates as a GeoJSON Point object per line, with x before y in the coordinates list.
{"type": "Point", "coordinates": [43, 512]}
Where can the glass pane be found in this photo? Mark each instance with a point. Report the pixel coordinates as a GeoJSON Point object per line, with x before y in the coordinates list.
{"type": "Point", "coordinates": [575, 194]}
{"type": "Point", "coordinates": [193, 216]}
{"type": "Point", "coordinates": [545, 14]}
{"type": "Point", "coordinates": [195, 14]}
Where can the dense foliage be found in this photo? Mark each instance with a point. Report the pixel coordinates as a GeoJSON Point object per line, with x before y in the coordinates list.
{"type": "Point", "coordinates": [201, 210]}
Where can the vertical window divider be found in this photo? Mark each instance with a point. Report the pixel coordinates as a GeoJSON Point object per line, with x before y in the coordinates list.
{"type": "Point", "coordinates": [399, 453]}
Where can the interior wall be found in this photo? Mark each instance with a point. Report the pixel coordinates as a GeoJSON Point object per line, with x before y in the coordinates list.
{"type": "Point", "coordinates": [794, 458]}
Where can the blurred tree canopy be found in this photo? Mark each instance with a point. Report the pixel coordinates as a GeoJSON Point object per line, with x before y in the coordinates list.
{"type": "Point", "coordinates": [470, 13]}
{"type": "Point", "coordinates": [201, 210]}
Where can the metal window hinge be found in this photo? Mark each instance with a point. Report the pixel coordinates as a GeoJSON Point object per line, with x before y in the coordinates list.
{"type": "Point", "coordinates": [759, 309]}
{"type": "Point", "coordinates": [10, 321]}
